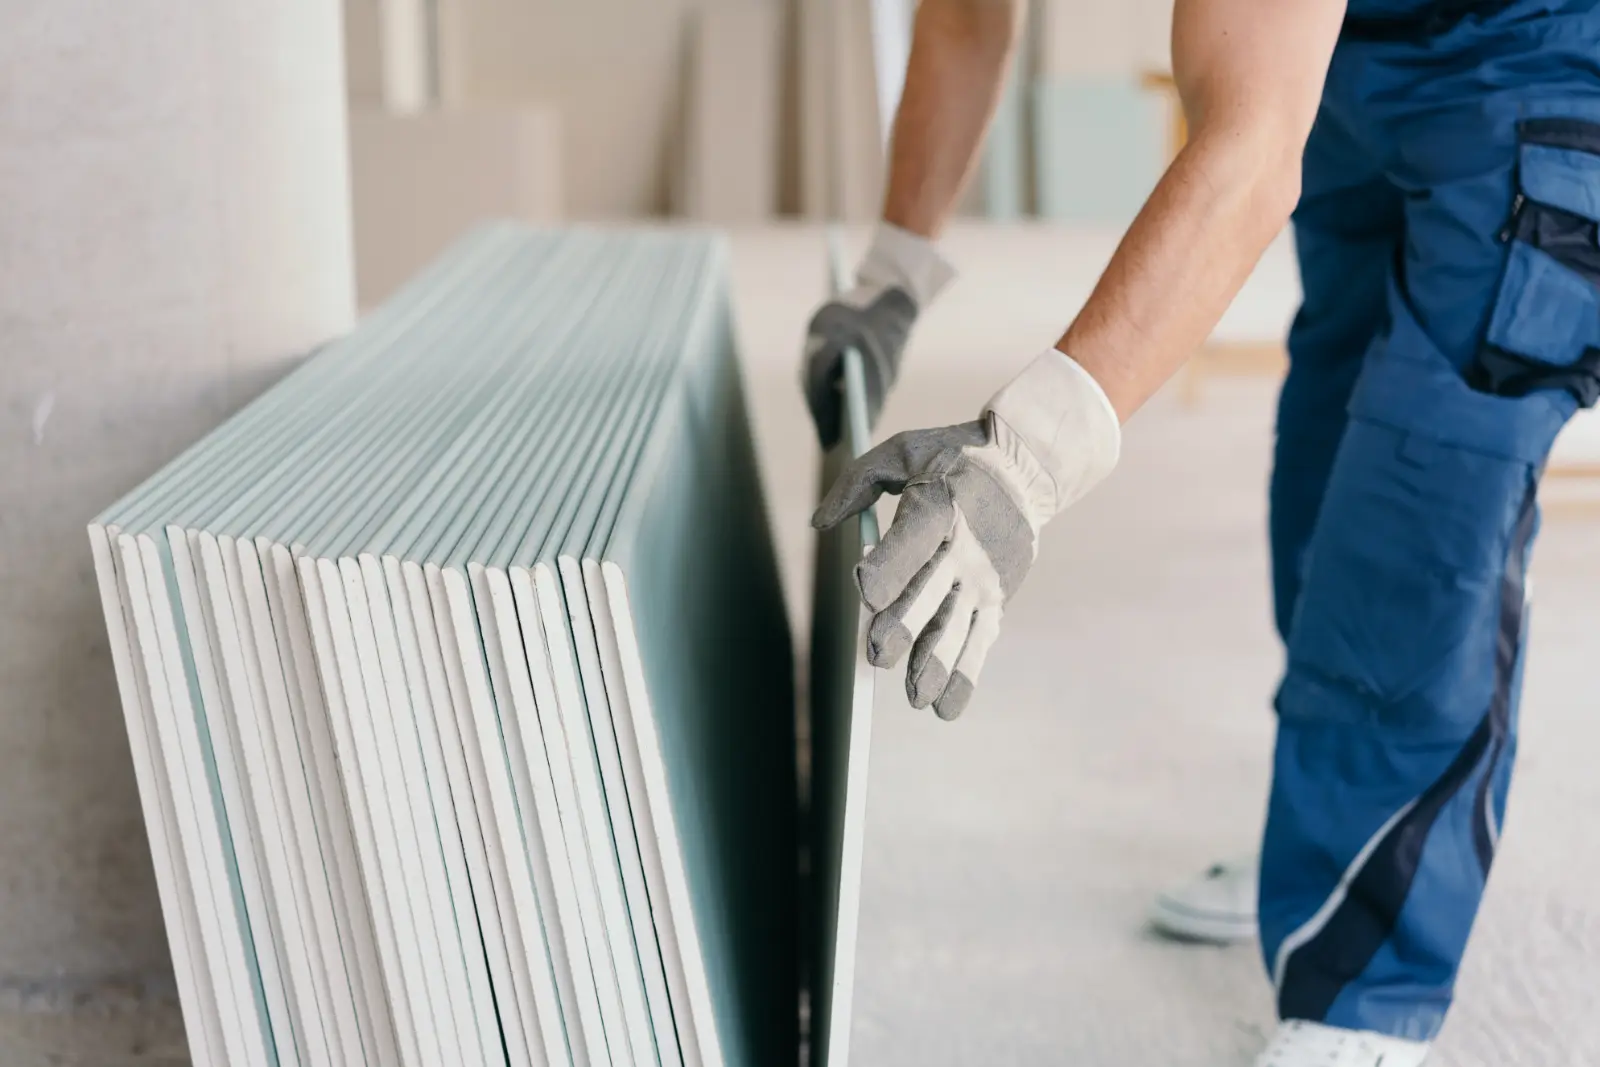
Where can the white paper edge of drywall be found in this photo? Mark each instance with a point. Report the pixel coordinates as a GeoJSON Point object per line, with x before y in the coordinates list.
{"type": "Point", "coordinates": [852, 853]}
{"type": "Point", "coordinates": [644, 819]}
{"type": "Point", "coordinates": [255, 751]}
{"type": "Point", "coordinates": [182, 716]}
{"type": "Point", "coordinates": [430, 704]}
{"type": "Point", "coordinates": [547, 847]}
{"type": "Point", "coordinates": [353, 911]}
{"type": "Point", "coordinates": [618, 799]}
{"type": "Point", "coordinates": [372, 717]}
{"type": "Point", "coordinates": [536, 992]}
{"type": "Point", "coordinates": [242, 823]}
{"type": "Point", "coordinates": [201, 1022]}
{"type": "Point", "coordinates": [225, 952]}
{"type": "Point", "coordinates": [550, 721]}
{"type": "Point", "coordinates": [223, 719]}
{"type": "Point", "coordinates": [408, 585]}
{"type": "Point", "coordinates": [291, 765]}
{"type": "Point", "coordinates": [497, 818]}
{"type": "Point", "coordinates": [404, 689]}
{"type": "Point", "coordinates": [640, 1036]}
{"type": "Point", "coordinates": [664, 822]}
{"type": "Point", "coordinates": [302, 770]}
{"type": "Point", "coordinates": [331, 668]}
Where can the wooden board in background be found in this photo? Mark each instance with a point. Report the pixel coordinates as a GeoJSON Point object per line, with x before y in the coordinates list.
{"type": "Point", "coordinates": [729, 166]}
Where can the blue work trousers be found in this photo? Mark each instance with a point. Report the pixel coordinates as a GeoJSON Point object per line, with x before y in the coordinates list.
{"type": "Point", "coordinates": [1447, 238]}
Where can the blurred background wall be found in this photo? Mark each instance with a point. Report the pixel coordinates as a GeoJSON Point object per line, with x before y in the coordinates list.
{"type": "Point", "coordinates": [724, 111]}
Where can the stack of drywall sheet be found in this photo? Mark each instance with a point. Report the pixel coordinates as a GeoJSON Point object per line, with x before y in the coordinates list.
{"type": "Point", "coordinates": [841, 692]}
{"type": "Point", "coordinates": [458, 683]}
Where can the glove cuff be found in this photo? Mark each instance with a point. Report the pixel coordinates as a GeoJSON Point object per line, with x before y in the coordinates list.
{"type": "Point", "coordinates": [1059, 431]}
{"type": "Point", "coordinates": [899, 258]}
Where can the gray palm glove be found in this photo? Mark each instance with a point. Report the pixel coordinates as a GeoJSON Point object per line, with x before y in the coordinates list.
{"type": "Point", "coordinates": [973, 499]}
{"type": "Point", "coordinates": [899, 277]}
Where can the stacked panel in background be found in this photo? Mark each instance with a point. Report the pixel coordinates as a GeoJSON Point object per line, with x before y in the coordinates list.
{"type": "Point", "coordinates": [458, 683]}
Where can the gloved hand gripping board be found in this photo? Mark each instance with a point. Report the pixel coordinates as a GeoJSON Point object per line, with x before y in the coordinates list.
{"type": "Point", "coordinates": [841, 693]}
{"type": "Point", "coordinates": [458, 686]}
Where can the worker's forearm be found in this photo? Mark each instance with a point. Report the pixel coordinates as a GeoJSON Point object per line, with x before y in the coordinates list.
{"type": "Point", "coordinates": [959, 54]}
{"type": "Point", "coordinates": [1220, 204]}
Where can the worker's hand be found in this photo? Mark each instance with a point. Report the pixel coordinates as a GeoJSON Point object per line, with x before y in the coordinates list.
{"type": "Point", "coordinates": [899, 277]}
{"type": "Point", "coordinates": [973, 499]}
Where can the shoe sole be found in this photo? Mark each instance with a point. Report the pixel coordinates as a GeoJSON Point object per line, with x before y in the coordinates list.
{"type": "Point", "coordinates": [1182, 923]}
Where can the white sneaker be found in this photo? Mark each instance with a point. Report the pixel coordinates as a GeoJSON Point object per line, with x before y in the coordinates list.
{"type": "Point", "coordinates": [1303, 1044]}
{"type": "Point", "coordinates": [1218, 907]}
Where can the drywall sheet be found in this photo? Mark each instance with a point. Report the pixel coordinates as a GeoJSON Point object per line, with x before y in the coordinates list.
{"type": "Point", "coordinates": [840, 734]}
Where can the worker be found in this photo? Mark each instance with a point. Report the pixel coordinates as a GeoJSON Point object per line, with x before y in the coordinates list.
{"type": "Point", "coordinates": [1441, 161]}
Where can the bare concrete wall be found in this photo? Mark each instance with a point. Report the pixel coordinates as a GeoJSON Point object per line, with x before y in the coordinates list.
{"type": "Point", "coordinates": [174, 231]}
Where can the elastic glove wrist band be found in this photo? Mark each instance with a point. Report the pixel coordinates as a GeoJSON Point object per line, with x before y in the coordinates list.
{"type": "Point", "coordinates": [1058, 428]}
{"type": "Point", "coordinates": [901, 259]}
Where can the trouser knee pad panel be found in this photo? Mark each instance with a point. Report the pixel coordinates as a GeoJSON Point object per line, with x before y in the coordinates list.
{"type": "Point", "coordinates": [1397, 622]}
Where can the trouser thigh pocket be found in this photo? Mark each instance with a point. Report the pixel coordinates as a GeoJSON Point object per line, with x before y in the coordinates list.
{"type": "Point", "coordinates": [1544, 332]}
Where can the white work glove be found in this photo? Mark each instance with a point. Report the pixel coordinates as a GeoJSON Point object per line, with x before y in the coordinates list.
{"type": "Point", "coordinates": [973, 499]}
{"type": "Point", "coordinates": [898, 278]}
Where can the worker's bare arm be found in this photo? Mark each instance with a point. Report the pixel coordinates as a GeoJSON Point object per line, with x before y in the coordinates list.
{"type": "Point", "coordinates": [1250, 74]}
{"type": "Point", "coordinates": [959, 54]}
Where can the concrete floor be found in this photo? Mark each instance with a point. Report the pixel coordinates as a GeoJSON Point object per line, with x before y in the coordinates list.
{"type": "Point", "coordinates": [144, 1035]}
{"type": "Point", "coordinates": [1119, 739]}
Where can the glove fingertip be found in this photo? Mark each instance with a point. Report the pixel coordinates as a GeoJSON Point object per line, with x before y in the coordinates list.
{"type": "Point", "coordinates": [925, 686]}
{"type": "Point", "coordinates": [887, 641]}
{"type": "Point", "coordinates": [869, 585]}
{"type": "Point", "coordinates": [833, 510]}
{"type": "Point", "coordinates": [957, 693]}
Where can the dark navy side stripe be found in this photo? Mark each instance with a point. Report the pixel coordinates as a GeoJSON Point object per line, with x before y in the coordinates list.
{"type": "Point", "coordinates": [1508, 642]}
{"type": "Point", "coordinates": [1555, 131]}
{"type": "Point", "coordinates": [1482, 833]}
{"type": "Point", "coordinates": [1316, 973]}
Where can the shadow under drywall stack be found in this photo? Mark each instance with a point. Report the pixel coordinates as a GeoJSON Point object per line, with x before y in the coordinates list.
{"type": "Point", "coordinates": [458, 682]}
